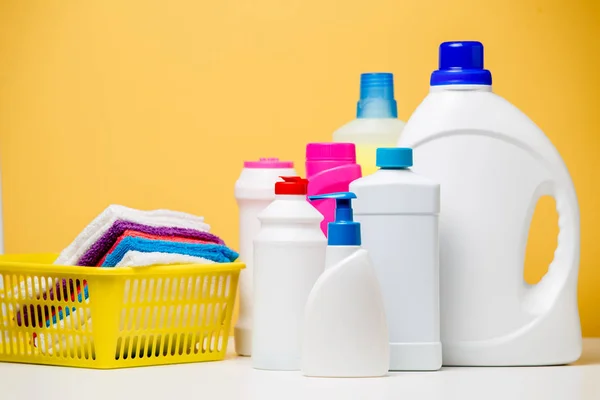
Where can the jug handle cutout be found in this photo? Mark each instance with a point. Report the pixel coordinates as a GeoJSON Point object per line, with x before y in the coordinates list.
{"type": "Point", "coordinates": [540, 297]}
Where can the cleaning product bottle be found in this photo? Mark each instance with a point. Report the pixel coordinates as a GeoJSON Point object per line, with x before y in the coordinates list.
{"type": "Point", "coordinates": [376, 124]}
{"type": "Point", "coordinates": [398, 212]}
{"type": "Point", "coordinates": [330, 167]}
{"type": "Point", "coordinates": [289, 256]}
{"type": "Point", "coordinates": [345, 331]}
{"type": "Point", "coordinates": [493, 164]}
{"type": "Point", "coordinates": [253, 192]}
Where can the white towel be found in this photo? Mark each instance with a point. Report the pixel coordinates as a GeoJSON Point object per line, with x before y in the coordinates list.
{"type": "Point", "coordinates": [140, 259]}
{"type": "Point", "coordinates": [28, 289]}
{"type": "Point", "coordinates": [53, 340]}
{"type": "Point", "coordinates": [103, 222]}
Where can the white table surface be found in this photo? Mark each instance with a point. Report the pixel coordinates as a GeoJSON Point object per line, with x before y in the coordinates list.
{"type": "Point", "coordinates": [234, 378]}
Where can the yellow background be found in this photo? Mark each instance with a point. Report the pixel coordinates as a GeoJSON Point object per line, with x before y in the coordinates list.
{"type": "Point", "coordinates": [155, 104]}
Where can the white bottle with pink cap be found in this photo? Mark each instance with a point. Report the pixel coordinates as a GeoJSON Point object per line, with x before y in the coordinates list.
{"type": "Point", "coordinates": [254, 190]}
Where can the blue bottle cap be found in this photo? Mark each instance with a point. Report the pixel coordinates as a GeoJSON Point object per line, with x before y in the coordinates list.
{"type": "Point", "coordinates": [377, 96]}
{"type": "Point", "coordinates": [344, 231]}
{"type": "Point", "coordinates": [394, 157]}
{"type": "Point", "coordinates": [461, 63]}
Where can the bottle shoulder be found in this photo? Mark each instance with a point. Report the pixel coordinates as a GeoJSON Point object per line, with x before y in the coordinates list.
{"type": "Point", "coordinates": [356, 266]}
{"type": "Point", "coordinates": [354, 255]}
{"type": "Point", "coordinates": [290, 211]}
{"type": "Point", "coordinates": [372, 131]}
{"type": "Point", "coordinates": [259, 182]}
{"type": "Point", "coordinates": [485, 112]}
{"type": "Point", "coordinates": [448, 114]}
{"type": "Point", "coordinates": [395, 192]}
{"type": "Point", "coordinates": [394, 178]}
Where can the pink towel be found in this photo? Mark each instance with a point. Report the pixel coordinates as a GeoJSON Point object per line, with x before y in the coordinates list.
{"type": "Point", "coordinates": [99, 249]}
{"type": "Point", "coordinates": [132, 233]}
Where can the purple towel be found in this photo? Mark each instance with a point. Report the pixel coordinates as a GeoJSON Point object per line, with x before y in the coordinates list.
{"type": "Point", "coordinates": [53, 312]}
{"type": "Point", "coordinates": [95, 253]}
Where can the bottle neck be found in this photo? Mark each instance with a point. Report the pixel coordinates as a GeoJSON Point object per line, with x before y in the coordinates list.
{"type": "Point", "coordinates": [376, 108]}
{"type": "Point", "coordinates": [290, 197]}
{"type": "Point", "coordinates": [376, 96]}
{"type": "Point", "coordinates": [460, 88]}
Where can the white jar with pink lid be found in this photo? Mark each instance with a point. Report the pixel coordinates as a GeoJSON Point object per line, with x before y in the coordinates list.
{"type": "Point", "coordinates": [254, 191]}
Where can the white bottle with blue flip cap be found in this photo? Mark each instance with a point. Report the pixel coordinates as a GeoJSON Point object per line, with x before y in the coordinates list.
{"type": "Point", "coordinates": [398, 211]}
{"type": "Point", "coordinates": [345, 329]}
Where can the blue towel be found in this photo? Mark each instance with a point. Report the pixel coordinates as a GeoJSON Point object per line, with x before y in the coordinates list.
{"type": "Point", "coordinates": [215, 252]}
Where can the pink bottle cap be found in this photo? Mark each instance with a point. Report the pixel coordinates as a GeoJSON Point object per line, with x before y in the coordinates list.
{"type": "Point", "coordinates": [268, 163]}
{"type": "Point", "coordinates": [331, 152]}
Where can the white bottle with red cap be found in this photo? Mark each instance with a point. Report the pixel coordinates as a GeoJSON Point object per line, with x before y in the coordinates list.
{"type": "Point", "coordinates": [253, 192]}
{"type": "Point", "coordinates": [289, 257]}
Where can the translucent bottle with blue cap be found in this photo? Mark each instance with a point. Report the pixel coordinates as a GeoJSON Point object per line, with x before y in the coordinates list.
{"type": "Point", "coordinates": [494, 164]}
{"type": "Point", "coordinates": [376, 124]}
{"type": "Point", "coordinates": [345, 329]}
{"type": "Point", "coordinates": [398, 212]}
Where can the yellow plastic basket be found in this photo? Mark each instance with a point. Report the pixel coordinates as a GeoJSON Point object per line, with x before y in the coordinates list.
{"type": "Point", "coordinates": [114, 317]}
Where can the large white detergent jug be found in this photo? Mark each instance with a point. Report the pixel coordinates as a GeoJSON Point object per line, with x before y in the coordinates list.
{"type": "Point", "coordinates": [493, 164]}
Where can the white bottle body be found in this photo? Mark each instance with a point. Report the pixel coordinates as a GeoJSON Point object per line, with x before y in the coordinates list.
{"type": "Point", "coordinates": [368, 134]}
{"type": "Point", "coordinates": [345, 327]}
{"type": "Point", "coordinates": [493, 164]}
{"type": "Point", "coordinates": [254, 191]}
{"type": "Point", "coordinates": [398, 212]}
{"type": "Point", "coordinates": [289, 257]}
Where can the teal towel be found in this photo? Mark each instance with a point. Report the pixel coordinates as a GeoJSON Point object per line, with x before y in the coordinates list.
{"type": "Point", "coordinates": [215, 252]}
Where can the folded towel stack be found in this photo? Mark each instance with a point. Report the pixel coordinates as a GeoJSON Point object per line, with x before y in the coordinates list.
{"type": "Point", "coordinates": [119, 237]}
{"type": "Point", "coordinates": [96, 240]}
{"type": "Point", "coordinates": [121, 229]}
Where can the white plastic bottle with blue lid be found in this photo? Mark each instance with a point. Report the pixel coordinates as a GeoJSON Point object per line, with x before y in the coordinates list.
{"type": "Point", "coordinates": [376, 124]}
{"type": "Point", "coordinates": [345, 331]}
{"type": "Point", "coordinates": [398, 211]}
{"type": "Point", "coordinates": [494, 164]}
